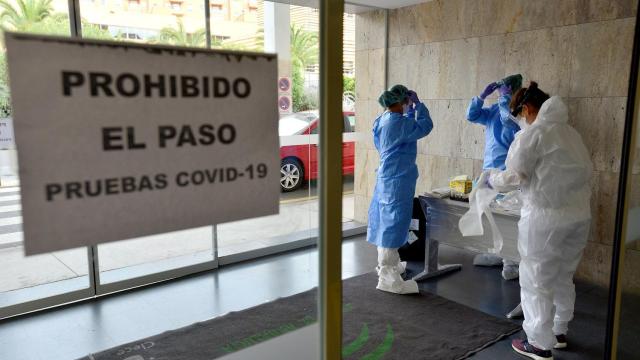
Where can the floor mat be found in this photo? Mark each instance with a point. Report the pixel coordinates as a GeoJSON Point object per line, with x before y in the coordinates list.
{"type": "Point", "coordinates": [377, 325]}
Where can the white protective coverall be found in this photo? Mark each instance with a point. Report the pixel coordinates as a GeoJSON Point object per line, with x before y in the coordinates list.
{"type": "Point", "coordinates": [551, 165]}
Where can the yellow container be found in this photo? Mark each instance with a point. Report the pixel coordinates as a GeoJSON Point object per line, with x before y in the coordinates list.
{"type": "Point", "coordinates": [460, 188]}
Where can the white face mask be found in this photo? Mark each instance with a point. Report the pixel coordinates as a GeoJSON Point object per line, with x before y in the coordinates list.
{"type": "Point", "coordinates": [522, 122]}
{"type": "Point", "coordinates": [405, 108]}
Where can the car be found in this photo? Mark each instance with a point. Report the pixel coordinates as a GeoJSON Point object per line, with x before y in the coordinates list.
{"type": "Point", "coordinates": [299, 162]}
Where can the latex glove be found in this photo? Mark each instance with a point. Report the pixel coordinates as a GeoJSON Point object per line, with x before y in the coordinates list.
{"type": "Point", "coordinates": [413, 96]}
{"type": "Point", "coordinates": [505, 90]}
{"type": "Point", "coordinates": [485, 178]}
{"type": "Point", "coordinates": [488, 90]}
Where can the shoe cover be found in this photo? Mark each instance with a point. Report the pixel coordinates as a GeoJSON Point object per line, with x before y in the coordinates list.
{"type": "Point", "coordinates": [401, 268]}
{"type": "Point", "coordinates": [510, 272]}
{"type": "Point", "coordinates": [487, 260]}
{"type": "Point", "coordinates": [389, 270]}
{"type": "Point", "coordinates": [389, 280]}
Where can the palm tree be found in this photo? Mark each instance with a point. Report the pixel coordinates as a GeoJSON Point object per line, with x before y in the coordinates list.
{"type": "Point", "coordinates": [25, 13]}
{"type": "Point", "coordinates": [180, 36]}
{"type": "Point", "coordinates": [304, 48]}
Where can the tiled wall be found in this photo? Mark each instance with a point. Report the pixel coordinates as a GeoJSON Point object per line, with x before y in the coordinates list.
{"type": "Point", "coordinates": [448, 50]}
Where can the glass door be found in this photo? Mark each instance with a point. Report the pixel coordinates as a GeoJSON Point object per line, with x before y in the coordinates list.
{"type": "Point", "coordinates": [30, 283]}
{"type": "Point", "coordinates": [626, 324]}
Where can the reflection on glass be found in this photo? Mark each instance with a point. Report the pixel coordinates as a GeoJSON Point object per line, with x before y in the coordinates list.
{"type": "Point", "coordinates": [179, 23]}
{"type": "Point", "coordinates": [29, 278]}
{"type": "Point", "coordinates": [630, 302]}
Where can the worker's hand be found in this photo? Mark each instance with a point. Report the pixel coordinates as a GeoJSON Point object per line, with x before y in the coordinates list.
{"type": "Point", "coordinates": [488, 90]}
{"type": "Point", "coordinates": [413, 96]}
{"type": "Point", "coordinates": [505, 90]}
{"type": "Point", "coordinates": [485, 178]}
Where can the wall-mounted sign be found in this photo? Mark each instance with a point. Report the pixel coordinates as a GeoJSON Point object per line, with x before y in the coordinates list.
{"type": "Point", "coordinates": [284, 103]}
{"type": "Point", "coordinates": [7, 140]}
{"type": "Point", "coordinates": [128, 140]}
{"type": "Point", "coordinates": [284, 84]}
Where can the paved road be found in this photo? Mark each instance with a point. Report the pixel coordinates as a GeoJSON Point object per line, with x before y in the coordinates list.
{"type": "Point", "coordinates": [311, 190]}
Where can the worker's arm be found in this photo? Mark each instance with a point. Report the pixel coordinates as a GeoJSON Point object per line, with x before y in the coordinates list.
{"type": "Point", "coordinates": [476, 113]}
{"type": "Point", "coordinates": [521, 163]}
{"type": "Point", "coordinates": [412, 130]}
{"type": "Point", "coordinates": [400, 129]}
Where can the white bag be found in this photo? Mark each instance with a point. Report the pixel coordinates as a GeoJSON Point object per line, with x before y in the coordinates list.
{"type": "Point", "coordinates": [479, 203]}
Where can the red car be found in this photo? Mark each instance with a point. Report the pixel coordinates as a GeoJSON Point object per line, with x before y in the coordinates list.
{"type": "Point", "coordinates": [299, 163]}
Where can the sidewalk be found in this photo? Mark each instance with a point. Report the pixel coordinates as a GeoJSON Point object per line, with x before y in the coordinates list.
{"type": "Point", "coordinates": [22, 272]}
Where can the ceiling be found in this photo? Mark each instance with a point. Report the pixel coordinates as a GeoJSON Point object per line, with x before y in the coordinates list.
{"type": "Point", "coordinates": [386, 4]}
{"type": "Point", "coordinates": [358, 6]}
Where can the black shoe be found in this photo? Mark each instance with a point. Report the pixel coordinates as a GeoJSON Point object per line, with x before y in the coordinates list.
{"type": "Point", "coordinates": [561, 342]}
{"type": "Point", "coordinates": [523, 347]}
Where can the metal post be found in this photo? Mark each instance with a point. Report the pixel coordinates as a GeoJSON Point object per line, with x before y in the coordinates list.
{"type": "Point", "coordinates": [386, 48]}
{"type": "Point", "coordinates": [75, 21]}
{"type": "Point", "coordinates": [207, 25]}
{"type": "Point", "coordinates": [215, 242]}
{"type": "Point", "coordinates": [94, 268]}
{"type": "Point", "coordinates": [626, 163]}
{"type": "Point", "coordinates": [330, 182]}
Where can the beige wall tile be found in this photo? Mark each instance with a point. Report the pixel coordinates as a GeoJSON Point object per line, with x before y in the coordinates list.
{"type": "Point", "coordinates": [403, 63]}
{"type": "Point", "coordinates": [404, 25]}
{"type": "Point", "coordinates": [360, 181]}
{"type": "Point", "coordinates": [361, 208]}
{"type": "Point", "coordinates": [478, 166]}
{"type": "Point", "coordinates": [376, 73]}
{"type": "Point", "coordinates": [472, 137]}
{"type": "Point", "coordinates": [599, 10]}
{"type": "Point", "coordinates": [604, 196]}
{"type": "Point", "coordinates": [600, 122]}
{"type": "Point", "coordinates": [435, 171]}
{"type": "Point", "coordinates": [526, 15]}
{"type": "Point", "coordinates": [491, 62]}
{"type": "Point", "coordinates": [363, 75]}
{"type": "Point", "coordinates": [457, 69]}
{"type": "Point", "coordinates": [635, 191]}
{"type": "Point", "coordinates": [447, 121]}
{"type": "Point", "coordinates": [452, 134]}
{"type": "Point", "coordinates": [595, 266]}
{"type": "Point", "coordinates": [370, 27]}
{"type": "Point", "coordinates": [443, 20]}
{"type": "Point", "coordinates": [630, 278]}
{"type": "Point", "coordinates": [544, 56]}
{"type": "Point", "coordinates": [603, 57]}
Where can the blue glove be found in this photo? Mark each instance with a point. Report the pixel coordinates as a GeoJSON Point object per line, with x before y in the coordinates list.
{"type": "Point", "coordinates": [505, 90]}
{"type": "Point", "coordinates": [414, 97]}
{"type": "Point", "coordinates": [488, 90]}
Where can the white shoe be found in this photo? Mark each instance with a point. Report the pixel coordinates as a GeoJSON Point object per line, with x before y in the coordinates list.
{"type": "Point", "coordinates": [487, 260]}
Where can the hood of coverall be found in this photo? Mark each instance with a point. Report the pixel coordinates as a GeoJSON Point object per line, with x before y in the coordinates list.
{"type": "Point", "coordinates": [553, 110]}
{"type": "Point", "coordinates": [562, 162]}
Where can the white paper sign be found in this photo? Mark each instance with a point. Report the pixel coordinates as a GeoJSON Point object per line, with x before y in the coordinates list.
{"type": "Point", "coordinates": [117, 140]}
{"type": "Point", "coordinates": [7, 141]}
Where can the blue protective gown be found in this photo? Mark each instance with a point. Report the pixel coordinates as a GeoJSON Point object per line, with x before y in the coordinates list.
{"type": "Point", "coordinates": [500, 130]}
{"type": "Point", "coordinates": [395, 137]}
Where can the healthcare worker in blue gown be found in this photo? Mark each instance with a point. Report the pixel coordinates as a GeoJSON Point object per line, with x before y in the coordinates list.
{"type": "Point", "coordinates": [395, 136]}
{"type": "Point", "coordinates": [499, 134]}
